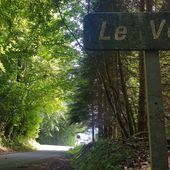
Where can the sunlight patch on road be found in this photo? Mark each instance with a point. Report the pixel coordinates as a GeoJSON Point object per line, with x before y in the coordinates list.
{"type": "Point", "coordinates": [41, 147]}
{"type": "Point", "coordinates": [53, 148]}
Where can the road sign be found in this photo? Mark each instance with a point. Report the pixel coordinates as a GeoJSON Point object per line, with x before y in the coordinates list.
{"type": "Point", "coordinates": [137, 31]}
{"type": "Point", "coordinates": [127, 31]}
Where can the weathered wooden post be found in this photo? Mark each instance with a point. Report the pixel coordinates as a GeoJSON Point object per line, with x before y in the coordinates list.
{"type": "Point", "coordinates": [137, 31]}
{"type": "Point", "coordinates": [156, 122]}
{"type": "Point", "coordinates": [156, 125]}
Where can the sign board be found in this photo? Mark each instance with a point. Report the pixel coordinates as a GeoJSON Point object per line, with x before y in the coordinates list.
{"type": "Point", "coordinates": [127, 31]}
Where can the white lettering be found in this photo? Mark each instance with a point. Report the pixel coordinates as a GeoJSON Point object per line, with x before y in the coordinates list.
{"type": "Point", "coordinates": [120, 33]}
{"type": "Point", "coordinates": [156, 34]}
{"type": "Point", "coordinates": [102, 32]}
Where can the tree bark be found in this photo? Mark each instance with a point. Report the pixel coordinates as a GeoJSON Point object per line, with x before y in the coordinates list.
{"type": "Point", "coordinates": [149, 5]}
{"type": "Point", "coordinates": [125, 95]}
{"type": "Point", "coordinates": [116, 114]}
{"type": "Point", "coordinates": [142, 116]}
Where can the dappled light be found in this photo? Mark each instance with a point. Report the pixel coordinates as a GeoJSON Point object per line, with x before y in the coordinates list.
{"type": "Point", "coordinates": [84, 84]}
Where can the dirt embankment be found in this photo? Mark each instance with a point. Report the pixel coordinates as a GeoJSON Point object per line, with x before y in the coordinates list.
{"type": "Point", "coordinates": [4, 150]}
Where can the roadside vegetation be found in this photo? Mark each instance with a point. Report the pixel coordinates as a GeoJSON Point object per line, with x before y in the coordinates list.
{"type": "Point", "coordinates": [110, 155]}
{"type": "Point", "coordinates": [103, 155]}
{"type": "Point", "coordinates": [37, 62]}
{"type": "Point", "coordinates": [51, 88]}
{"type": "Point", "coordinates": [111, 98]}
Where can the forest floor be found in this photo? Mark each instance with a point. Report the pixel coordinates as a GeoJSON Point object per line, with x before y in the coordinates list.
{"type": "Point", "coordinates": [60, 164]}
{"type": "Point", "coordinates": [49, 164]}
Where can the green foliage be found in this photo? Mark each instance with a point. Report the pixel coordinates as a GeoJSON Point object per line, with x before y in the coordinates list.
{"type": "Point", "coordinates": [36, 60]}
{"type": "Point", "coordinates": [56, 130]}
{"type": "Point", "coordinates": [101, 155]}
{"type": "Point", "coordinates": [42, 73]}
{"type": "Point", "coordinates": [2, 69]}
{"type": "Point", "coordinates": [85, 92]}
{"type": "Point", "coordinates": [19, 144]}
{"type": "Point", "coordinates": [75, 151]}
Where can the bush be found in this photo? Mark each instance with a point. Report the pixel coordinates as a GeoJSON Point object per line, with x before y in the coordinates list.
{"type": "Point", "coordinates": [19, 144]}
{"type": "Point", "coordinates": [75, 151]}
{"type": "Point", "coordinates": [103, 155]}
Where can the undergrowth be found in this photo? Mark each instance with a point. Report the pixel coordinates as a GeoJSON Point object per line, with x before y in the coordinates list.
{"type": "Point", "coordinates": [102, 155]}
{"type": "Point", "coordinates": [76, 150]}
{"type": "Point", "coordinates": [18, 145]}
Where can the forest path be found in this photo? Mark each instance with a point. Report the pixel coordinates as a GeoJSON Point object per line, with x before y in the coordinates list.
{"type": "Point", "coordinates": [27, 160]}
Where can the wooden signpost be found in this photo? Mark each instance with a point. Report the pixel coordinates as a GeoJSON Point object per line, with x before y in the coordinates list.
{"type": "Point", "coordinates": [137, 31]}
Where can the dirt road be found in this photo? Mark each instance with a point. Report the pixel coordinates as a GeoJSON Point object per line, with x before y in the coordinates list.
{"type": "Point", "coordinates": [48, 157]}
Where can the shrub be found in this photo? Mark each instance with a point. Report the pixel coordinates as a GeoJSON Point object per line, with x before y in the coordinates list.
{"type": "Point", "coordinates": [103, 155]}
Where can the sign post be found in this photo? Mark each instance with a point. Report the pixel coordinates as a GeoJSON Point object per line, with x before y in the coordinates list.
{"type": "Point", "coordinates": [156, 125]}
{"type": "Point", "coordinates": [137, 31]}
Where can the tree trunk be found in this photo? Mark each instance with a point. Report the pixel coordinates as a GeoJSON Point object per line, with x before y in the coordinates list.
{"type": "Point", "coordinates": [142, 116]}
{"type": "Point", "coordinates": [149, 5]}
{"type": "Point", "coordinates": [114, 108]}
{"type": "Point", "coordinates": [100, 112]}
{"type": "Point", "coordinates": [131, 124]}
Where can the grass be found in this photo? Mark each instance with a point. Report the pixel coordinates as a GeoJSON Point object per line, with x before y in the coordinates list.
{"type": "Point", "coordinates": [102, 155]}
